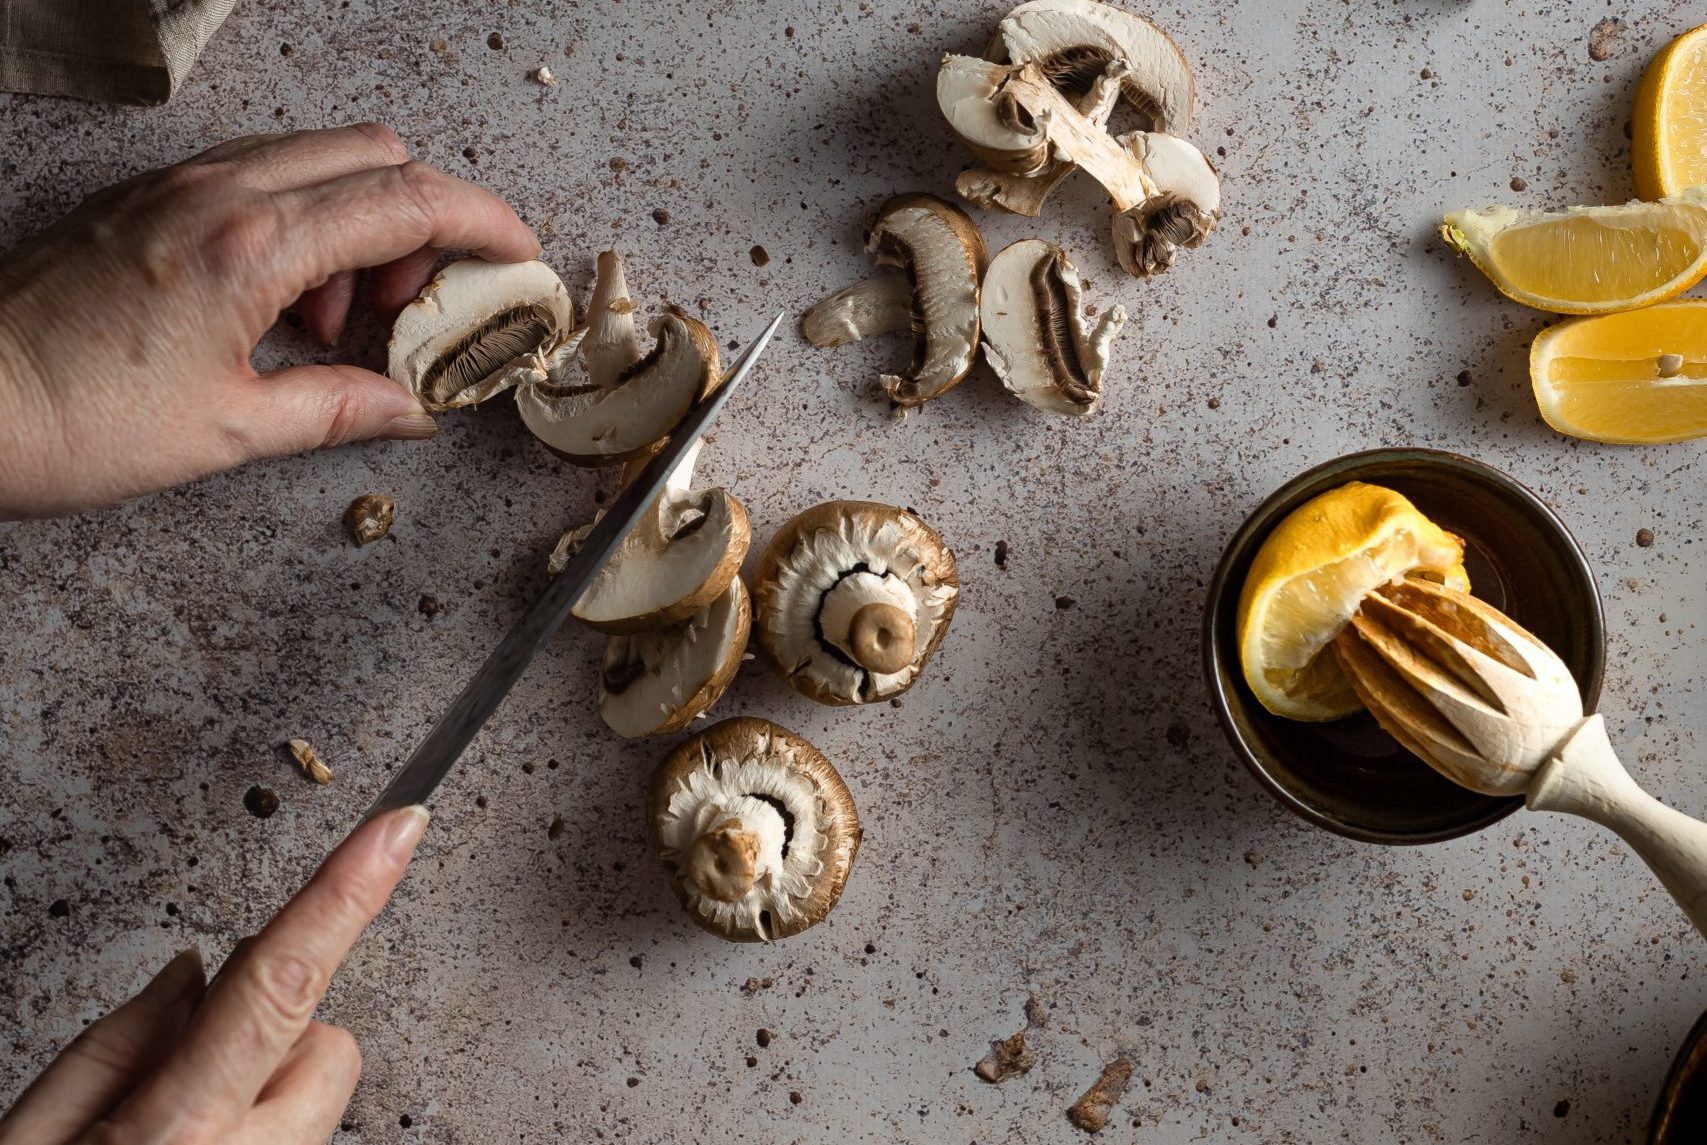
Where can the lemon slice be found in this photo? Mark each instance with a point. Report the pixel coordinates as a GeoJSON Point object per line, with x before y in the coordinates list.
{"type": "Point", "coordinates": [1668, 132]}
{"type": "Point", "coordinates": [1635, 379]}
{"type": "Point", "coordinates": [1588, 260]}
{"type": "Point", "coordinates": [1310, 576]}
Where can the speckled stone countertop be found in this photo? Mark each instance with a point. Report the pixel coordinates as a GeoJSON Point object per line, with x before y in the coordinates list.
{"type": "Point", "coordinates": [1052, 813]}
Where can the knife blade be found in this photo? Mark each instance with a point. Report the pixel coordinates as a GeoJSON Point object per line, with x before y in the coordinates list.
{"type": "Point", "coordinates": [468, 713]}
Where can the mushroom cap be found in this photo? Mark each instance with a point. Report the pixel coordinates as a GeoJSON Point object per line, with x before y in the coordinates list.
{"type": "Point", "coordinates": [593, 425]}
{"type": "Point", "coordinates": [670, 676]}
{"type": "Point", "coordinates": [1036, 336]}
{"type": "Point", "coordinates": [828, 564]}
{"type": "Point", "coordinates": [475, 329]}
{"type": "Point", "coordinates": [943, 254]}
{"type": "Point", "coordinates": [1074, 39]}
{"type": "Point", "coordinates": [991, 128]}
{"type": "Point", "coordinates": [674, 564]}
{"type": "Point", "coordinates": [761, 776]}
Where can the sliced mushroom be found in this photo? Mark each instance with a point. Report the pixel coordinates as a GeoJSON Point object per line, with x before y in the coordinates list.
{"type": "Point", "coordinates": [654, 683]}
{"type": "Point", "coordinates": [942, 255]}
{"type": "Point", "coordinates": [1182, 212]}
{"type": "Point", "coordinates": [1036, 335]}
{"type": "Point", "coordinates": [590, 424]}
{"type": "Point", "coordinates": [479, 328]}
{"type": "Point", "coordinates": [994, 128]}
{"type": "Point", "coordinates": [1074, 41]}
{"type": "Point", "coordinates": [1026, 194]}
{"type": "Point", "coordinates": [756, 829]}
{"type": "Point", "coordinates": [678, 560]}
{"type": "Point", "coordinates": [852, 599]}
{"type": "Point", "coordinates": [613, 344]}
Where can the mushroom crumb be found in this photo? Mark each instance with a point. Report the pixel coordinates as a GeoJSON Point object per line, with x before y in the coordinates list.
{"type": "Point", "coordinates": [369, 517]}
{"type": "Point", "coordinates": [260, 801]}
{"type": "Point", "coordinates": [1001, 554]}
{"type": "Point", "coordinates": [760, 256]}
{"type": "Point", "coordinates": [310, 762]}
{"type": "Point", "coordinates": [1007, 1058]}
{"type": "Point", "coordinates": [1603, 38]}
{"type": "Point", "coordinates": [1091, 1112]}
{"type": "Point", "coordinates": [1645, 538]}
{"type": "Point", "coordinates": [556, 828]}
{"type": "Point", "coordinates": [544, 76]}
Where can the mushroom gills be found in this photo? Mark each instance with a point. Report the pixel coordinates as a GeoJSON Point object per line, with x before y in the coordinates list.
{"type": "Point", "coordinates": [652, 683]}
{"type": "Point", "coordinates": [1184, 209]}
{"type": "Point", "coordinates": [943, 256]}
{"type": "Point", "coordinates": [1036, 336]}
{"type": "Point", "coordinates": [487, 352]}
{"type": "Point", "coordinates": [1069, 39]}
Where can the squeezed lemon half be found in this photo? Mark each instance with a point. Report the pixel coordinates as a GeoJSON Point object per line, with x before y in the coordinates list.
{"type": "Point", "coordinates": [1310, 576]}
{"type": "Point", "coordinates": [1668, 132]}
{"type": "Point", "coordinates": [1588, 260]}
{"type": "Point", "coordinates": [1634, 379]}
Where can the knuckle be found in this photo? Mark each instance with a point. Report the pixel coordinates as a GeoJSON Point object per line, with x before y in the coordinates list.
{"type": "Point", "coordinates": [286, 988]}
{"type": "Point", "coordinates": [389, 143]}
{"type": "Point", "coordinates": [248, 233]}
{"type": "Point", "coordinates": [421, 187]}
{"type": "Point", "coordinates": [344, 422]}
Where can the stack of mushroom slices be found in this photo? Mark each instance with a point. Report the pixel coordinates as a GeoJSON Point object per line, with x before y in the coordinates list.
{"type": "Point", "coordinates": [676, 613]}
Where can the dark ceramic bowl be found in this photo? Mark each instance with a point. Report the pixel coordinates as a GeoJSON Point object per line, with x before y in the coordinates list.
{"type": "Point", "coordinates": [1350, 776]}
{"type": "Point", "coordinates": [1680, 1115]}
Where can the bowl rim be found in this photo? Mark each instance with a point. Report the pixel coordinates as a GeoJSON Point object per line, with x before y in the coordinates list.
{"type": "Point", "coordinates": [1683, 1067]}
{"type": "Point", "coordinates": [1245, 535]}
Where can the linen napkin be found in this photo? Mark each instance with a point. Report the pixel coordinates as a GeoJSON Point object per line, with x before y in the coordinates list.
{"type": "Point", "coordinates": [117, 51]}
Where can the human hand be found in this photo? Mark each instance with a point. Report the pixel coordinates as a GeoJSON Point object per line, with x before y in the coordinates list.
{"type": "Point", "coordinates": [240, 1062]}
{"type": "Point", "coordinates": [126, 328]}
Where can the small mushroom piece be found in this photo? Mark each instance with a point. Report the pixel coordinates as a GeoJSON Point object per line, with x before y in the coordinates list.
{"type": "Point", "coordinates": [991, 125]}
{"type": "Point", "coordinates": [756, 829]}
{"type": "Point", "coordinates": [369, 517]}
{"type": "Point", "coordinates": [1073, 41]}
{"type": "Point", "coordinates": [590, 424]}
{"type": "Point", "coordinates": [655, 683]}
{"type": "Point", "coordinates": [940, 252]}
{"type": "Point", "coordinates": [1182, 212]}
{"type": "Point", "coordinates": [677, 560]}
{"type": "Point", "coordinates": [1036, 336]}
{"type": "Point", "coordinates": [477, 329]}
{"type": "Point", "coordinates": [852, 599]}
{"type": "Point", "coordinates": [1026, 194]}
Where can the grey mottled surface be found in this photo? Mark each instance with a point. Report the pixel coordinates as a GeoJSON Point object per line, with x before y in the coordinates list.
{"type": "Point", "coordinates": [1052, 812]}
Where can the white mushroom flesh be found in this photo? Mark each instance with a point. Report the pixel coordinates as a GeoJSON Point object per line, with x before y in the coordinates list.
{"type": "Point", "coordinates": [944, 272]}
{"type": "Point", "coordinates": [759, 795]}
{"type": "Point", "coordinates": [968, 91]}
{"type": "Point", "coordinates": [1037, 338]}
{"type": "Point", "coordinates": [651, 680]}
{"type": "Point", "coordinates": [477, 329]}
{"type": "Point", "coordinates": [828, 578]}
{"type": "Point", "coordinates": [1184, 209]}
{"type": "Point", "coordinates": [613, 344]}
{"type": "Point", "coordinates": [1074, 39]}
{"type": "Point", "coordinates": [876, 305]}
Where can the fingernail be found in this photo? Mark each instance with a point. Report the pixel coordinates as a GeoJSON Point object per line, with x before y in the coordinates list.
{"type": "Point", "coordinates": [410, 427]}
{"type": "Point", "coordinates": [403, 832]}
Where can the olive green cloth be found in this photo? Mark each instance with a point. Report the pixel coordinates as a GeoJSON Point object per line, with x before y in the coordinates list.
{"type": "Point", "coordinates": [118, 51]}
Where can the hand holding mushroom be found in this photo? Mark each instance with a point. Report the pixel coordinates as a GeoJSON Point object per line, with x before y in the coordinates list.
{"type": "Point", "coordinates": [126, 329]}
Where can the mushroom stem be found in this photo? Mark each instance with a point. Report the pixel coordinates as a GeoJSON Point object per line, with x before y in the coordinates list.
{"type": "Point", "coordinates": [723, 863]}
{"type": "Point", "coordinates": [613, 344]}
{"type": "Point", "coordinates": [1074, 136]}
{"type": "Point", "coordinates": [881, 636]}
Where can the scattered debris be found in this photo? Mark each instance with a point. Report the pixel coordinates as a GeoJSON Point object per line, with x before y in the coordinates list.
{"type": "Point", "coordinates": [753, 985]}
{"type": "Point", "coordinates": [1091, 1112]}
{"type": "Point", "coordinates": [1001, 554]}
{"type": "Point", "coordinates": [1603, 38]}
{"type": "Point", "coordinates": [557, 827]}
{"type": "Point", "coordinates": [260, 801]}
{"type": "Point", "coordinates": [495, 41]}
{"type": "Point", "coordinates": [369, 517]}
{"type": "Point", "coordinates": [1007, 1058]}
{"type": "Point", "coordinates": [312, 765]}
{"type": "Point", "coordinates": [1254, 857]}
{"type": "Point", "coordinates": [764, 1038]}
{"type": "Point", "coordinates": [760, 256]}
{"type": "Point", "coordinates": [1645, 538]}
{"type": "Point", "coordinates": [1035, 1014]}
{"type": "Point", "coordinates": [544, 76]}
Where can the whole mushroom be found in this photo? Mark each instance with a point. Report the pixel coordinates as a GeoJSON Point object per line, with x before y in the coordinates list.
{"type": "Point", "coordinates": [852, 598]}
{"type": "Point", "coordinates": [756, 829]}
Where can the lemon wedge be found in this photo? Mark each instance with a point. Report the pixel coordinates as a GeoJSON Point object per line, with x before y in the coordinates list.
{"type": "Point", "coordinates": [1588, 260]}
{"type": "Point", "coordinates": [1310, 576]}
{"type": "Point", "coordinates": [1668, 132]}
{"type": "Point", "coordinates": [1633, 379]}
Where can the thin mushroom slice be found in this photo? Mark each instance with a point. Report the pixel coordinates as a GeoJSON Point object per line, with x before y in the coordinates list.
{"type": "Point", "coordinates": [993, 127]}
{"type": "Point", "coordinates": [943, 254]}
{"type": "Point", "coordinates": [655, 683]}
{"type": "Point", "coordinates": [1182, 212]}
{"type": "Point", "coordinates": [1073, 41]}
{"type": "Point", "coordinates": [590, 424]}
{"type": "Point", "coordinates": [875, 305]}
{"type": "Point", "coordinates": [677, 560]}
{"type": "Point", "coordinates": [756, 830]}
{"type": "Point", "coordinates": [852, 598]}
{"type": "Point", "coordinates": [1036, 336]}
{"type": "Point", "coordinates": [479, 328]}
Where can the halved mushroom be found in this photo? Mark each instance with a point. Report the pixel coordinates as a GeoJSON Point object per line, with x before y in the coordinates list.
{"type": "Point", "coordinates": [852, 598]}
{"type": "Point", "coordinates": [654, 683]}
{"type": "Point", "coordinates": [756, 829]}
{"type": "Point", "coordinates": [629, 403]}
{"type": "Point", "coordinates": [1074, 41]}
{"type": "Point", "coordinates": [678, 559]}
{"type": "Point", "coordinates": [942, 255]}
{"type": "Point", "coordinates": [1026, 194]}
{"type": "Point", "coordinates": [1036, 336]}
{"type": "Point", "coordinates": [1151, 221]}
{"type": "Point", "coordinates": [479, 328]}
